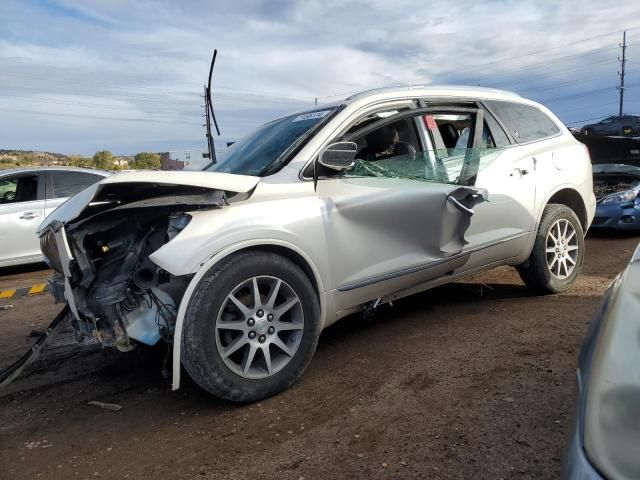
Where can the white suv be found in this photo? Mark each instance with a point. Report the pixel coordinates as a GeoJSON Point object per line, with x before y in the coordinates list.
{"type": "Point", "coordinates": [318, 215]}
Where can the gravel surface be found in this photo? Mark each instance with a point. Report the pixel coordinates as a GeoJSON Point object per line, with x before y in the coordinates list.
{"type": "Point", "coordinates": [470, 380]}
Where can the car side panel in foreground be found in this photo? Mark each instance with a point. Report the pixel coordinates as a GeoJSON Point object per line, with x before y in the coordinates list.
{"type": "Point", "coordinates": [606, 434]}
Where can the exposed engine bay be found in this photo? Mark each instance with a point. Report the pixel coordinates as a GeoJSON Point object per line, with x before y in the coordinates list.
{"type": "Point", "coordinates": [121, 297]}
{"type": "Point", "coordinates": [605, 184]}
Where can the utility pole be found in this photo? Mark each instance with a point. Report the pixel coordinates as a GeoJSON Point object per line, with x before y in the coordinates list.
{"type": "Point", "coordinates": [623, 61]}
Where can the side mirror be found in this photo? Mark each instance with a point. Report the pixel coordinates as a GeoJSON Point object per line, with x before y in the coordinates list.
{"type": "Point", "coordinates": [339, 156]}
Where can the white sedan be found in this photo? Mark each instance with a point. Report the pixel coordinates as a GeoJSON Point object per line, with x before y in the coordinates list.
{"type": "Point", "coordinates": [27, 196]}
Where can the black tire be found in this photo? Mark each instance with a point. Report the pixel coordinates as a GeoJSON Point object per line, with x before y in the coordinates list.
{"type": "Point", "coordinates": [200, 356]}
{"type": "Point", "coordinates": [535, 272]}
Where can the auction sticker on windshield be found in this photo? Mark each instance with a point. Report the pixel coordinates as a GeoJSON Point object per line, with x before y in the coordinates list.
{"type": "Point", "coordinates": [312, 115]}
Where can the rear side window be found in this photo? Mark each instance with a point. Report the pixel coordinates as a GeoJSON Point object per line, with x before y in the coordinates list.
{"type": "Point", "coordinates": [500, 138]}
{"type": "Point", "coordinates": [67, 184]}
{"type": "Point", "coordinates": [524, 122]}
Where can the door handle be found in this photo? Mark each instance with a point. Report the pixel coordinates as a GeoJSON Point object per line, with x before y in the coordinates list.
{"type": "Point", "coordinates": [456, 203]}
{"type": "Point", "coordinates": [519, 171]}
{"type": "Point", "coordinates": [29, 215]}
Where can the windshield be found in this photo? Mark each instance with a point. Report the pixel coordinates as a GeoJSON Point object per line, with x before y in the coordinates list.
{"type": "Point", "coordinates": [258, 152]}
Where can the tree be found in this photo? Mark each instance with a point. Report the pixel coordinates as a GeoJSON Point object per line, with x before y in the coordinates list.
{"type": "Point", "coordinates": [145, 161]}
{"type": "Point", "coordinates": [103, 160]}
{"type": "Point", "coordinates": [79, 161]}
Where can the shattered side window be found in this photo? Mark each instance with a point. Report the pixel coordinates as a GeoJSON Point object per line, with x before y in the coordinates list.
{"type": "Point", "coordinates": [395, 151]}
{"type": "Point", "coordinates": [437, 166]}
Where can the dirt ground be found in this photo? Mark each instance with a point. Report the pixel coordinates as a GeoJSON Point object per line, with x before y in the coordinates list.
{"type": "Point", "coordinates": [471, 380]}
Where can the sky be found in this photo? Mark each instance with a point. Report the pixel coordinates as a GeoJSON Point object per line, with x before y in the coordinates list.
{"type": "Point", "coordinates": [127, 76]}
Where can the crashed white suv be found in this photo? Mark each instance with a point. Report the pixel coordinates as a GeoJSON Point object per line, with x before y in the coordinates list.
{"type": "Point", "coordinates": [315, 216]}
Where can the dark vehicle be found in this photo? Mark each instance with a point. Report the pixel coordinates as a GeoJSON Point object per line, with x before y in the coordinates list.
{"type": "Point", "coordinates": [616, 126]}
{"type": "Point", "coordinates": [616, 181]}
{"type": "Point", "coordinates": [605, 437]}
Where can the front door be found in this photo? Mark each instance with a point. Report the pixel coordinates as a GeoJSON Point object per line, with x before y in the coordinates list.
{"type": "Point", "coordinates": [400, 215]}
{"type": "Point", "coordinates": [21, 212]}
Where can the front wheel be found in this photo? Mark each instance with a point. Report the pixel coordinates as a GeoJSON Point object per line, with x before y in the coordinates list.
{"type": "Point", "coordinates": [251, 327]}
{"type": "Point", "coordinates": [558, 252]}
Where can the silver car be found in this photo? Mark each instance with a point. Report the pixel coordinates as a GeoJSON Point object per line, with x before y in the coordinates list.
{"type": "Point", "coordinates": [315, 216]}
{"type": "Point", "coordinates": [27, 196]}
{"type": "Point", "coordinates": [604, 439]}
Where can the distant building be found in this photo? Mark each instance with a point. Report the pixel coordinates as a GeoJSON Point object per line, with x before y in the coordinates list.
{"type": "Point", "coordinates": [184, 160]}
{"type": "Point", "coordinates": [122, 161]}
{"type": "Point", "coordinates": [167, 164]}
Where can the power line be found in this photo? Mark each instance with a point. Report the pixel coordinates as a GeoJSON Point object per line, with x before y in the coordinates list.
{"type": "Point", "coordinates": [82, 104]}
{"type": "Point", "coordinates": [119, 119]}
{"type": "Point", "coordinates": [583, 107]}
{"type": "Point", "coordinates": [523, 69]}
{"type": "Point", "coordinates": [580, 94]}
{"type": "Point", "coordinates": [562, 59]}
{"type": "Point", "coordinates": [571, 82]}
{"type": "Point", "coordinates": [532, 65]}
{"type": "Point", "coordinates": [553, 48]}
{"type": "Point", "coordinates": [518, 57]}
{"type": "Point", "coordinates": [157, 92]}
{"type": "Point", "coordinates": [156, 99]}
{"type": "Point", "coordinates": [546, 74]}
{"type": "Point", "coordinates": [136, 77]}
{"type": "Point", "coordinates": [585, 120]}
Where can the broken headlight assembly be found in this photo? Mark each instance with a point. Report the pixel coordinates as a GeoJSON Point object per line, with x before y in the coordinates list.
{"type": "Point", "coordinates": [50, 250]}
{"type": "Point", "coordinates": [177, 223]}
{"type": "Point", "coordinates": [625, 196]}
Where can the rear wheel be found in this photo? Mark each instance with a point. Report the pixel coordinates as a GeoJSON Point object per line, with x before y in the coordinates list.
{"type": "Point", "coordinates": [251, 328]}
{"type": "Point", "coordinates": [558, 252]}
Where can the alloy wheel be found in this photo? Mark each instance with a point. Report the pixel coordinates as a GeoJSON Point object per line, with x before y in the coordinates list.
{"type": "Point", "coordinates": [259, 327]}
{"type": "Point", "coordinates": [562, 249]}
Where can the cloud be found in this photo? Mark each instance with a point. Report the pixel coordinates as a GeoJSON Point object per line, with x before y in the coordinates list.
{"type": "Point", "coordinates": [128, 75]}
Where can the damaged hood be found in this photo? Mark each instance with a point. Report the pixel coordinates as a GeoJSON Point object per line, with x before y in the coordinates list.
{"type": "Point", "coordinates": [617, 168]}
{"type": "Point", "coordinates": [142, 188]}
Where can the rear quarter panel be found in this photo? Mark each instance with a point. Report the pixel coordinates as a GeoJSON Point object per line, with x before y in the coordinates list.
{"type": "Point", "coordinates": [560, 163]}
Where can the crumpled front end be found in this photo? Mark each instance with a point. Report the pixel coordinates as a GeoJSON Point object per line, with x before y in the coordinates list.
{"type": "Point", "coordinates": [101, 255]}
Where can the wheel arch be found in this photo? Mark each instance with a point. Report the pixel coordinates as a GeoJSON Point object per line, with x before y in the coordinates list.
{"type": "Point", "coordinates": [572, 199]}
{"type": "Point", "coordinates": [566, 195]}
{"type": "Point", "coordinates": [283, 248]}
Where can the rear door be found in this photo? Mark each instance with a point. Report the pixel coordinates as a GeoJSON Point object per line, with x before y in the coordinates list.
{"type": "Point", "coordinates": [508, 171]}
{"type": "Point", "coordinates": [21, 211]}
{"type": "Point", "coordinates": [63, 184]}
